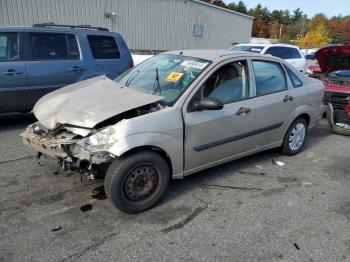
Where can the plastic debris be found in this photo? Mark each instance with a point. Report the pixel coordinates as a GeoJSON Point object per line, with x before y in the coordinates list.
{"type": "Point", "coordinates": [306, 184]}
{"type": "Point", "coordinates": [56, 228]}
{"type": "Point", "coordinates": [278, 163]}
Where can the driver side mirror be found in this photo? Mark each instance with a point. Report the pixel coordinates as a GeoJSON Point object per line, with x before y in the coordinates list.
{"type": "Point", "coordinates": [207, 103]}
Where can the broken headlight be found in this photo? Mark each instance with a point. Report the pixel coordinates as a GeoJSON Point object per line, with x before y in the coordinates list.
{"type": "Point", "coordinates": [100, 141]}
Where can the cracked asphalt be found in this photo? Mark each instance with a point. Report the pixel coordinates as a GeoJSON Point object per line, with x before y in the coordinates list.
{"type": "Point", "coordinates": [246, 210]}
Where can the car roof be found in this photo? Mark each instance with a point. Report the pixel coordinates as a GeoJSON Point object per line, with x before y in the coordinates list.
{"type": "Point", "coordinates": [55, 30]}
{"type": "Point", "coordinates": [268, 45]}
{"type": "Point", "coordinates": [214, 54]}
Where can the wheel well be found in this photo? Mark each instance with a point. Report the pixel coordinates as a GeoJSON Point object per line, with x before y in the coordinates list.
{"type": "Point", "coordinates": [306, 117]}
{"type": "Point", "coordinates": [155, 149]}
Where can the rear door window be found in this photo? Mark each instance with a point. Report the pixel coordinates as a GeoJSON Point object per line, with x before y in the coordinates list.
{"type": "Point", "coordinates": [51, 46]}
{"type": "Point", "coordinates": [269, 77]}
{"type": "Point", "coordinates": [9, 47]}
{"type": "Point", "coordinates": [103, 47]}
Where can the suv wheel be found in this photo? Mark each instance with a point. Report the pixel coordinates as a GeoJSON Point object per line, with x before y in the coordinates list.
{"type": "Point", "coordinates": [295, 137]}
{"type": "Point", "coordinates": [137, 182]}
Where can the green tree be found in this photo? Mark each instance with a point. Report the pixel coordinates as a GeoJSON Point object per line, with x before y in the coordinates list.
{"type": "Point", "coordinates": [240, 7]}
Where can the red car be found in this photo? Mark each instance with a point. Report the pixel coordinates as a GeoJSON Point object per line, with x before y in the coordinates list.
{"type": "Point", "coordinates": [334, 71]}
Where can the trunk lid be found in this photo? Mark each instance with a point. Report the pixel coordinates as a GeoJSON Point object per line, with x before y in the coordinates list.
{"type": "Point", "coordinates": [333, 58]}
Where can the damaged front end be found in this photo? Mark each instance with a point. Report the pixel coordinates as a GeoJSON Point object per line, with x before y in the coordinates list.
{"type": "Point", "coordinates": [71, 150]}
{"type": "Point", "coordinates": [77, 123]}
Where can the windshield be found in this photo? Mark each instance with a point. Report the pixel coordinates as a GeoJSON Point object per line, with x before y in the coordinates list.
{"type": "Point", "coordinates": [165, 75]}
{"type": "Point", "coordinates": [247, 48]}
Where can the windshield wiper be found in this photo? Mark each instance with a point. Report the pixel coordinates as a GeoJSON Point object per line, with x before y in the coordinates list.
{"type": "Point", "coordinates": [155, 89]}
{"type": "Point", "coordinates": [131, 78]}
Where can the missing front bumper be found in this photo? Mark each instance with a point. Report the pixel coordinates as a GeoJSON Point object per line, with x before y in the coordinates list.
{"type": "Point", "coordinates": [63, 148]}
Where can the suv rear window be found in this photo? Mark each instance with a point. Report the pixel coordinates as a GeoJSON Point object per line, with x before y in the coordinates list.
{"type": "Point", "coordinates": [294, 53]}
{"type": "Point", "coordinates": [283, 52]}
{"type": "Point", "coordinates": [51, 46]}
{"type": "Point", "coordinates": [103, 47]}
{"type": "Point", "coordinates": [9, 47]}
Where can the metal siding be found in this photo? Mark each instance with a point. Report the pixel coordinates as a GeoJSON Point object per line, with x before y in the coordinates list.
{"type": "Point", "coordinates": [145, 25]}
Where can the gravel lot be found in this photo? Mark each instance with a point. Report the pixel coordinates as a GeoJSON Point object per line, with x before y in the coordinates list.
{"type": "Point", "coordinates": [247, 210]}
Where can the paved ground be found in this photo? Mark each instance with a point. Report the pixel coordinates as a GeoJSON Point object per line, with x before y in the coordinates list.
{"type": "Point", "coordinates": [247, 210]}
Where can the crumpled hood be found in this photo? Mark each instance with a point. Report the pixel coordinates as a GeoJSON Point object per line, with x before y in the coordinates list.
{"type": "Point", "coordinates": [333, 58]}
{"type": "Point", "coordinates": [89, 102]}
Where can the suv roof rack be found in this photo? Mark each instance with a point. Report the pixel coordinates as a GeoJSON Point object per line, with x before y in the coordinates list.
{"type": "Point", "coordinates": [53, 25]}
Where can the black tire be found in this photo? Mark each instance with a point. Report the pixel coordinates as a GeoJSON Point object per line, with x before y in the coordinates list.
{"type": "Point", "coordinates": [129, 177]}
{"type": "Point", "coordinates": [286, 147]}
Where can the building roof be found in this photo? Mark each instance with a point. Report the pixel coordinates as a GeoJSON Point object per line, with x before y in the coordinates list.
{"type": "Point", "coordinates": [221, 8]}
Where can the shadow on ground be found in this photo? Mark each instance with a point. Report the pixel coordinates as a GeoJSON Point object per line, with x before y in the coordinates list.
{"type": "Point", "coordinates": [15, 120]}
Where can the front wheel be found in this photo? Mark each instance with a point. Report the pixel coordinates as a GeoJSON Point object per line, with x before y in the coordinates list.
{"type": "Point", "coordinates": [295, 137]}
{"type": "Point", "coordinates": [137, 182]}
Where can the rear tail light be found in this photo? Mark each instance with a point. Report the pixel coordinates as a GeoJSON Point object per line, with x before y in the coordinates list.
{"type": "Point", "coordinates": [347, 108]}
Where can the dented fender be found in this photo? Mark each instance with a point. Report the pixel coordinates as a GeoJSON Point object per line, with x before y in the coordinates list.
{"type": "Point", "coordinates": [171, 145]}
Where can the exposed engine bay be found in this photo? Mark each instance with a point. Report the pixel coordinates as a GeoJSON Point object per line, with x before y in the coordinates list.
{"type": "Point", "coordinates": [80, 148]}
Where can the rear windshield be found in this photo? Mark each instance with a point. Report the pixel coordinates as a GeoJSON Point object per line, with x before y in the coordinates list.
{"type": "Point", "coordinates": [247, 48]}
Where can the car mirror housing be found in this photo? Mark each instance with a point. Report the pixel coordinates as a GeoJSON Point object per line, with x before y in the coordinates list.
{"type": "Point", "coordinates": [207, 103]}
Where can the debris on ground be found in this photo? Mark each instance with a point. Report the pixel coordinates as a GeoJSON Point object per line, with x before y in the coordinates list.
{"type": "Point", "coordinates": [56, 228]}
{"type": "Point", "coordinates": [306, 183]}
{"type": "Point", "coordinates": [223, 187]}
{"type": "Point", "coordinates": [296, 246]}
{"type": "Point", "coordinates": [86, 207]}
{"type": "Point", "coordinates": [99, 193]}
{"type": "Point", "coordinates": [278, 163]}
{"type": "Point", "coordinates": [251, 173]}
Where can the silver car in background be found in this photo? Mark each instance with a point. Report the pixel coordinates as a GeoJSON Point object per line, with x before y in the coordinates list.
{"type": "Point", "coordinates": [177, 113]}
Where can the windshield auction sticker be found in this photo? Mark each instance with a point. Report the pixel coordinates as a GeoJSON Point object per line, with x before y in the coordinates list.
{"type": "Point", "coordinates": [174, 77]}
{"type": "Point", "coordinates": [194, 64]}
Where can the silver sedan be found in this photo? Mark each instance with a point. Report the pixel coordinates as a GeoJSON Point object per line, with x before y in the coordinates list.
{"type": "Point", "coordinates": [173, 115]}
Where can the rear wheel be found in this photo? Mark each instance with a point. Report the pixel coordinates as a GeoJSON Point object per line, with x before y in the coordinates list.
{"type": "Point", "coordinates": [295, 137]}
{"type": "Point", "coordinates": [137, 182]}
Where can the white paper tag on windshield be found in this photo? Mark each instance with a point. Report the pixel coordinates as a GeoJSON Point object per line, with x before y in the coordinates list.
{"type": "Point", "coordinates": [194, 64]}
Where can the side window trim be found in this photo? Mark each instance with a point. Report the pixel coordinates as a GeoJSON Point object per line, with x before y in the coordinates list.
{"type": "Point", "coordinates": [284, 76]}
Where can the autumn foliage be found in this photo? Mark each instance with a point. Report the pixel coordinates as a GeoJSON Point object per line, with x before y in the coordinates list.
{"type": "Point", "coordinates": [294, 26]}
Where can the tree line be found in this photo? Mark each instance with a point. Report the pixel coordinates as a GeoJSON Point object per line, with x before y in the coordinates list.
{"type": "Point", "coordinates": [293, 26]}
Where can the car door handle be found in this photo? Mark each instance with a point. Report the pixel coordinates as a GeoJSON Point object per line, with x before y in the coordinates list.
{"type": "Point", "coordinates": [77, 68]}
{"type": "Point", "coordinates": [243, 110]}
{"type": "Point", "coordinates": [12, 72]}
{"type": "Point", "coordinates": [288, 98]}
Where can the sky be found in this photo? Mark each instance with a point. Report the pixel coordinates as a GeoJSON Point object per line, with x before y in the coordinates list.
{"type": "Point", "coordinates": [310, 7]}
